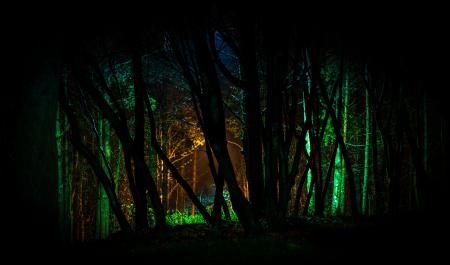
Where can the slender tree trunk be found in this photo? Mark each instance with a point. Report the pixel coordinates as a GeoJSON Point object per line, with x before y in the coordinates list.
{"type": "Point", "coordinates": [118, 170]}
{"type": "Point", "coordinates": [141, 203]}
{"type": "Point", "coordinates": [116, 177]}
{"type": "Point", "coordinates": [308, 118]}
{"type": "Point", "coordinates": [60, 157]}
{"type": "Point", "coordinates": [364, 198]}
{"type": "Point", "coordinates": [310, 195]}
{"type": "Point", "coordinates": [211, 104]}
{"type": "Point", "coordinates": [343, 185]}
{"type": "Point", "coordinates": [102, 226]}
{"type": "Point", "coordinates": [194, 178]}
{"type": "Point", "coordinates": [68, 189]}
{"type": "Point", "coordinates": [396, 155]}
{"type": "Point", "coordinates": [329, 173]}
{"type": "Point", "coordinates": [165, 172]}
{"type": "Point", "coordinates": [219, 200]}
{"type": "Point", "coordinates": [425, 142]}
{"type": "Point", "coordinates": [300, 189]}
{"type": "Point", "coordinates": [378, 179]}
{"type": "Point", "coordinates": [253, 118]}
{"type": "Point", "coordinates": [144, 179]}
{"type": "Point", "coordinates": [338, 175]}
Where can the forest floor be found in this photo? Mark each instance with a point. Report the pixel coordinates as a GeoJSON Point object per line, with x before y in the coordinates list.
{"type": "Point", "coordinates": [309, 241]}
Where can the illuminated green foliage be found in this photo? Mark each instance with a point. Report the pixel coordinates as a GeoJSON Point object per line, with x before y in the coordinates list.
{"type": "Point", "coordinates": [179, 218]}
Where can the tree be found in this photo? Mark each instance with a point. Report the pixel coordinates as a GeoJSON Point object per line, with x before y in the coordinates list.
{"type": "Point", "coordinates": [102, 220]}
{"type": "Point", "coordinates": [364, 199]}
{"type": "Point", "coordinates": [30, 141]}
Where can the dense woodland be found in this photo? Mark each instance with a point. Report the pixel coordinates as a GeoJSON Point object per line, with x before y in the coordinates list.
{"type": "Point", "coordinates": [227, 118]}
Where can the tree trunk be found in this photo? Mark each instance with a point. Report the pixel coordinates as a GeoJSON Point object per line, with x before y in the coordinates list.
{"type": "Point", "coordinates": [378, 179]}
{"type": "Point", "coordinates": [33, 152]}
{"type": "Point", "coordinates": [211, 104]}
{"type": "Point", "coordinates": [141, 203]}
{"type": "Point", "coordinates": [328, 175]}
{"type": "Point", "coordinates": [60, 158]}
{"type": "Point", "coordinates": [165, 172]}
{"type": "Point", "coordinates": [194, 178]}
{"type": "Point", "coordinates": [68, 173]}
{"type": "Point", "coordinates": [118, 170]}
{"type": "Point", "coordinates": [364, 198]}
{"type": "Point", "coordinates": [300, 189]}
{"type": "Point", "coordinates": [338, 197]}
{"type": "Point", "coordinates": [102, 219]}
{"type": "Point", "coordinates": [219, 201]}
{"type": "Point", "coordinates": [343, 186]}
{"type": "Point", "coordinates": [252, 116]}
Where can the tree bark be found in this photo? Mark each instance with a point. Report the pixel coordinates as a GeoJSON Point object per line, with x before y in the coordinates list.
{"type": "Point", "coordinates": [194, 178]}
{"type": "Point", "coordinates": [252, 117]}
{"type": "Point", "coordinates": [31, 155]}
{"type": "Point", "coordinates": [364, 198]}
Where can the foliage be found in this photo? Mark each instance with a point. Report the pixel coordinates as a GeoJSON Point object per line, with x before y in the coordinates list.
{"type": "Point", "coordinates": [179, 218]}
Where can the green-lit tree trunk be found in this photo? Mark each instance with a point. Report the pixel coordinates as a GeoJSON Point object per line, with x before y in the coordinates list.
{"type": "Point", "coordinates": [308, 118]}
{"type": "Point", "coordinates": [342, 186]}
{"type": "Point", "coordinates": [116, 177]}
{"type": "Point", "coordinates": [102, 215]}
{"type": "Point", "coordinates": [364, 199]}
{"type": "Point", "coordinates": [65, 218]}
